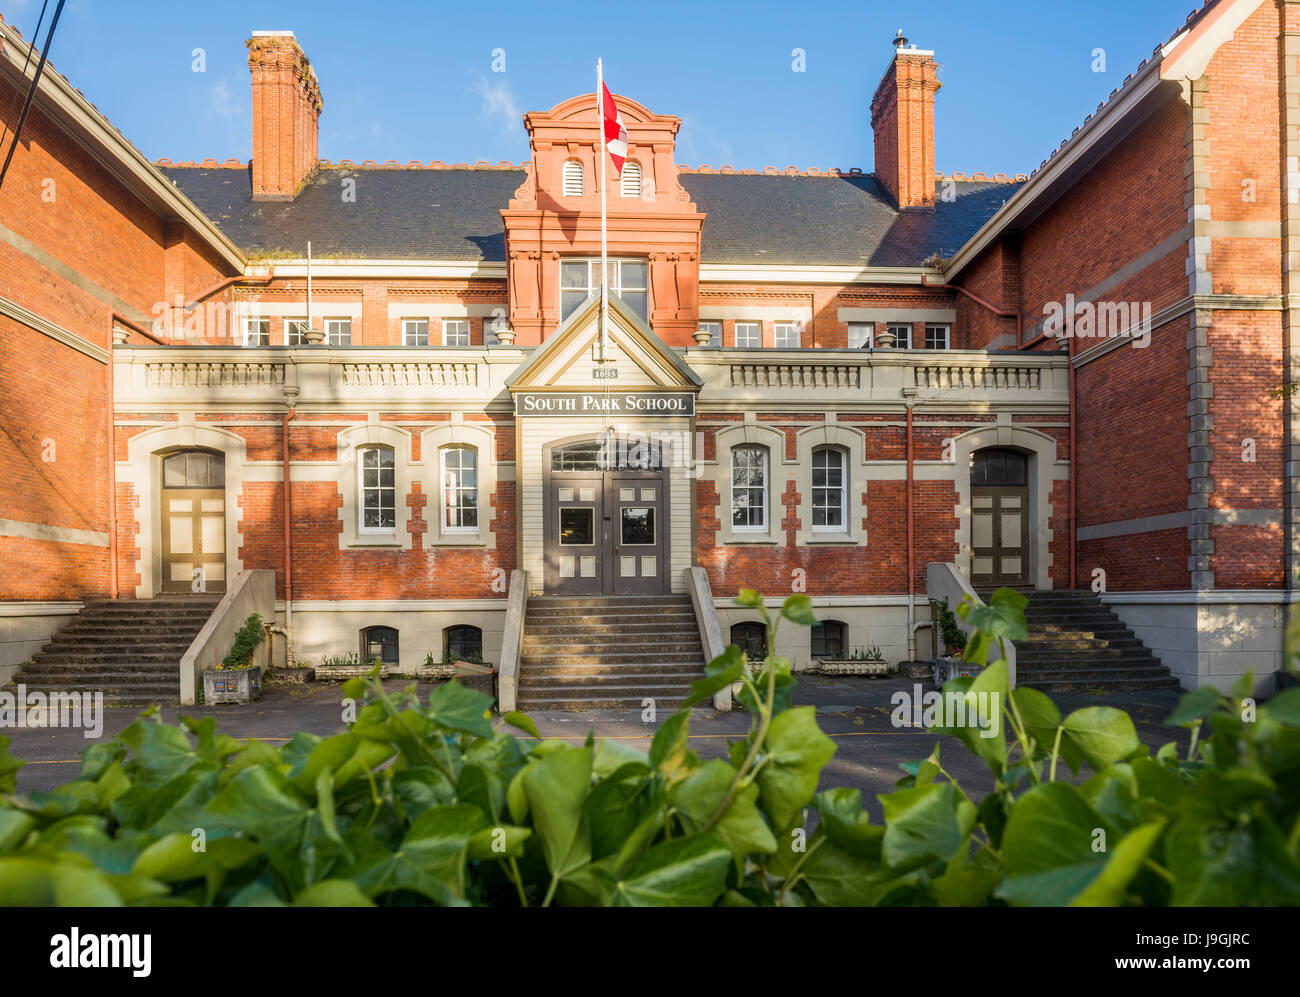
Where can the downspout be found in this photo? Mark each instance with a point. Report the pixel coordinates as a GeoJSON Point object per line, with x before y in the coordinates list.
{"type": "Point", "coordinates": [1000, 312]}
{"type": "Point", "coordinates": [221, 285]}
{"type": "Point", "coordinates": [1074, 477]}
{"type": "Point", "coordinates": [287, 506]}
{"type": "Point", "coordinates": [911, 579]}
{"type": "Point", "coordinates": [115, 319]}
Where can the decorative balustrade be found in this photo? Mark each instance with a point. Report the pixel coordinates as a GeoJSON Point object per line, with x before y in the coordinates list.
{"type": "Point", "coordinates": [991, 377]}
{"type": "Point", "coordinates": [173, 374]}
{"type": "Point", "coordinates": [400, 374]}
{"type": "Point", "coordinates": [795, 375]}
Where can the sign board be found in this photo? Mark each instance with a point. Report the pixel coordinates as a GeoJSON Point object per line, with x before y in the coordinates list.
{"type": "Point", "coordinates": [652, 404]}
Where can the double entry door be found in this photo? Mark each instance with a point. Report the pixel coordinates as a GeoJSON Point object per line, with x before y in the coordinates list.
{"type": "Point", "coordinates": [606, 533]}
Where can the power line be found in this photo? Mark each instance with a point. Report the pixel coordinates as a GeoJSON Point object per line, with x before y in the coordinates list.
{"type": "Point", "coordinates": [27, 60]}
{"type": "Point", "coordinates": [31, 92]}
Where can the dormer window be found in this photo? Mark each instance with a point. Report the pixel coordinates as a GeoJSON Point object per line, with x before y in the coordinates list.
{"type": "Point", "coordinates": [573, 186]}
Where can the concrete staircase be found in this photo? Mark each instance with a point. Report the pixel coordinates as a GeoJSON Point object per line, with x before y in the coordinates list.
{"type": "Point", "coordinates": [128, 649]}
{"type": "Point", "coordinates": [1075, 642]}
{"type": "Point", "coordinates": [608, 652]}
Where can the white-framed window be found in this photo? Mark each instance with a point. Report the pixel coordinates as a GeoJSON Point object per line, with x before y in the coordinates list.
{"type": "Point", "coordinates": [295, 331]}
{"type": "Point", "coordinates": [455, 332]}
{"type": "Point", "coordinates": [860, 334]}
{"type": "Point", "coordinates": [714, 329]}
{"type": "Point", "coordinates": [460, 490]}
{"type": "Point", "coordinates": [257, 332]}
{"type": "Point", "coordinates": [749, 335]}
{"type": "Point", "coordinates": [630, 182]}
{"type": "Point", "coordinates": [415, 332]}
{"type": "Point", "coordinates": [338, 331]}
{"type": "Point", "coordinates": [749, 488]}
{"type": "Point", "coordinates": [829, 490]}
{"type": "Point", "coordinates": [378, 490]}
{"type": "Point", "coordinates": [629, 279]}
{"type": "Point", "coordinates": [573, 183]}
{"type": "Point", "coordinates": [787, 335]}
{"type": "Point", "coordinates": [902, 335]}
{"type": "Point", "coordinates": [937, 335]}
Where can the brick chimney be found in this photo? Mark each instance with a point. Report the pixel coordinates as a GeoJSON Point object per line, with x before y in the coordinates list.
{"type": "Point", "coordinates": [286, 115]}
{"type": "Point", "coordinates": [902, 118]}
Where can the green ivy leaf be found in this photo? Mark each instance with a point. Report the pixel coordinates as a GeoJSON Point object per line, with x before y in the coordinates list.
{"type": "Point", "coordinates": [332, 893]}
{"type": "Point", "coordinates": [1195, 705]}
{"type": "Point", "coordinates": [454, 707]}
{"type": "Point", "coordinates": [722, 671]}
{"type": "Point", "coordinates": [846, 824]}
{"type": "Point", "coordinates": [798, 609]}
{"type": "Point", "coordinates": [1103, 734]}
{"type": "Point", "coordinates": [796, 751]}
{"type": "Point", "coordinates": [741, 827]}
{"type": "Point", "coordinates": [682, 872]}
{"type": "Point", "coordinates": [556, 788]}
{"type": "Point", "coordinates": [670, 751]}
{"type": "Point", "coordinates": [521, 721]}
{"type": "Point", "coordinates": [1048, 846]}
{"type": "Point", "coordinates": [924, 824]}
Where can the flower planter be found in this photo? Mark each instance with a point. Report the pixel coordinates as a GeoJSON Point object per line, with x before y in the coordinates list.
{"type": "Point", "coordinates": [949, 668]}
{"type": "Point", "coordinates": [238, 685]}
{"type": "Point", "coordinates": [848, 667]}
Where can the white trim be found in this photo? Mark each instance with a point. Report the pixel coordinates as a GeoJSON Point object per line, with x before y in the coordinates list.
{"type": "Point", "coordinates": [384, 269]}
{"type": "Point", "coordinates": [1187, 597]}
{"type": "Point", "coordinates": [52, 534]}
{"type": "Point", "coordinates": [763, 273]}
{"type": "Point", "coordinates": [21, 609]}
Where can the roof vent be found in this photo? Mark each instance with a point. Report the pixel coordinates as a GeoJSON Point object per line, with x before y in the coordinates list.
{"type": "Point", "coordinates": [900, 42]}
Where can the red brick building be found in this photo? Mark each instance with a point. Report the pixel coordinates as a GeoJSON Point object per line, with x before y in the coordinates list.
{"type": "Point", "coordinates": [813, 380]}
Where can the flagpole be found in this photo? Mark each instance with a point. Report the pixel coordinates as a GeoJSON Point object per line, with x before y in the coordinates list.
{"type": "Point", "coordinates": [600, 179]}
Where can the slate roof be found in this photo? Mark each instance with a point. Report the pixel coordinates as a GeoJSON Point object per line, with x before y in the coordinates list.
{"type": "Point", "coordinates": [454, 214]}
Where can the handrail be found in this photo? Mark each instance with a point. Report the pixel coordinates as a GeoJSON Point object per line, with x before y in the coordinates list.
{"type": "Point", "coordinates": [251, 591]}
{"type": "Point", "coordinates": [944, 581]}
{"type": "Point", "coordinates": [512, 639]}
{"type": "Point", "coordinates": [696, 580]}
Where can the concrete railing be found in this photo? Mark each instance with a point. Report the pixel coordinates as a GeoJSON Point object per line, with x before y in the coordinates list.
{"type": "Point", "coordinates": [511, 640]}
{"type": "Point", "coordinates": [696, 580]}
{"type": "Point", "coordinates": [250, 592]}
{"type": "Point", "coordinates": [943, 581]}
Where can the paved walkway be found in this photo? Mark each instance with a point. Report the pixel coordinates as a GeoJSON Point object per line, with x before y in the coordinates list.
{"type": "Point", "coordinates": [855, 712]}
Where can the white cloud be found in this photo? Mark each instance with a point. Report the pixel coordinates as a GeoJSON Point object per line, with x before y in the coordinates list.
{"type": "Point", "coordinates": [221, 101]}
{"type": "Point", "coordinates": [498, 103]}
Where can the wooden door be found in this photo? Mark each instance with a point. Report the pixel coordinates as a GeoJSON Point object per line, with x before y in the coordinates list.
{"type": "Point", "coordinates": [193, 508]}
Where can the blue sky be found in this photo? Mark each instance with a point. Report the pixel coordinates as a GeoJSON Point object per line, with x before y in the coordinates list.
{"type": "Point", "coordinates": [415, 80]}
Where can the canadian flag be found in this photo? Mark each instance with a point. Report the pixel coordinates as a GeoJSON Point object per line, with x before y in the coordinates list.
{"type": "Point", "coordinates": [615, 133]}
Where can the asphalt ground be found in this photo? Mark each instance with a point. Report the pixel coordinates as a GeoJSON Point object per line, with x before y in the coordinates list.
{"type": "Point", "coordinates": [854, 711]}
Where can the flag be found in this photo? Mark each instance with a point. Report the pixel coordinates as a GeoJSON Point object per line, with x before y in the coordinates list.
{"type": "Point", "coordinates": [615, 133]}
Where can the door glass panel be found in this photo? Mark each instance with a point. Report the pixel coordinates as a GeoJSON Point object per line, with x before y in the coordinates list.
{"type": "Point", "coordinates": [577, 527]}
{"type": "Point", "coordinates": [638, 525]}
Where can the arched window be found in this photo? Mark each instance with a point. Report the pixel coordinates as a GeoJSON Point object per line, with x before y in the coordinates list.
{"type": "Point", "coordinates": [378, 488]}
{"type": "Point", "coordinates": [828, 639]}
{"type": "Point", "coordinates": [749, 487]}
{"type": "Point", "coordinates": [573, 181]}
{"type": "Point", "coordinates": [194, 469]}
{"type": "Point", "coordinates": [460, 489]}
{"type": "Point", "coordinates": [462, 644]}
{"type": "Point", "coordinates": [996, 466]}
{"type": "Point", "coordinates": [631, 179]}
{"type": "Point", "coordinates": [830, 490]}
{"type": "Point", "coordinates": [751, 638]}
{"type": "Point", "coordinates": [379, 644]}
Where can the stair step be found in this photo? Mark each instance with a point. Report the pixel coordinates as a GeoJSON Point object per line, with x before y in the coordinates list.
{"type": "Point", "coordinates": [577, 704]}
{"type": "Point", "coordinates": [628, 643]}
{"type": "Point", "coordinates": [587, 616]}
{"type": "Point", "coordinates": [632, 680]}
{"type": "Point", "coordinates": [100, 679]}
{"type": "Point", "coordinates": [603, 630]}
{"type": "Point", "coordinates": [620, 658]}
{"type": "Point", "coordinates": [694, 669]}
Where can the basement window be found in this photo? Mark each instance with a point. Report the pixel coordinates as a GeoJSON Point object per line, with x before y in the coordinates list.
{"type": "Point", "coordinates": [751, 638]}
{"type": "Point", "coordinates": [828, 639]}
{"type": "Point", "coordinates": [463, 643]}
{"type": "Point", "coordinates": [379, 644]}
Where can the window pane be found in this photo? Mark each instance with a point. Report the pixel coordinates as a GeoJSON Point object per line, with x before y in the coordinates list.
{"type": "Point", "coordinates": [416, 332]}
{"type": "Point", "coordinates": [577, 527]}
{"type": "Point", "coordinates": [633, 276]}
{"type": "Point", "coordinates": [638, 526]}
{"type": "Point", "coordinates": [573, 273]}
{"type": "Point", "coordinates": [859, 335]}
{"type": "Point", "coordinates": [569, 302]}
{"type": "Point", "coordinates": [639, 302]}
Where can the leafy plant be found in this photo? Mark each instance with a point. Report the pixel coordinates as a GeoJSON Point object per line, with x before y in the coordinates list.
{"type": "Point", "coordinates": [349, 660]}
{"type": "Point", "coordinates": [428, 802]}
{"type": "Point", "coordinates": [247, 638]}
{"type": "Point", "coordinates": [951, 635]}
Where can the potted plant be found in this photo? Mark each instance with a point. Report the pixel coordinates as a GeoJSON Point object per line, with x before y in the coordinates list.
{"type": "Point", "coordinates": [237, 679]}
{"type": "Point", "coordinates": [436, 669]}
{"type": "Point", "coordinates": [859, 661]}
{"type": "Point", "coordinates": [950, 664]}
